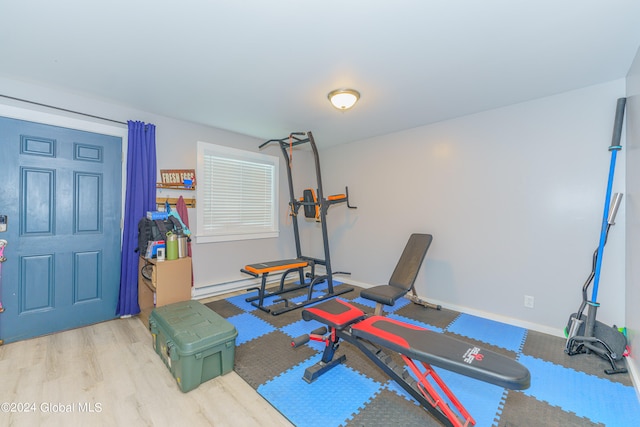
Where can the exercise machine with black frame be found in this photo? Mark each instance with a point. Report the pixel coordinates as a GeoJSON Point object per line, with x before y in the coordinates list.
{"type": "Point", "coordinates": [376, 336]}
{"type": "Point", "coordinates": [314, 206]}
{"type": "Point", "coordinates": [585, 334]}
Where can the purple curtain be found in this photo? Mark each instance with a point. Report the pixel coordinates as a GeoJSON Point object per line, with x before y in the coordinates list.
{"type": "Point", "coordinates": [140, 198]}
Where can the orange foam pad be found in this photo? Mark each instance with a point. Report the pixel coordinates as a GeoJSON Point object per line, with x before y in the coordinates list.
{"type": "Point", "coordinates": [268, 267]}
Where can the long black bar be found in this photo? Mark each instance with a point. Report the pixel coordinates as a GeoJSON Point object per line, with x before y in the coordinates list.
{"type": "Point", "coordinates": [293, 306]}
{"type": "Point", "coordinates": [291, 140]}
{"type": "Point", "coordinates": [62, 109]}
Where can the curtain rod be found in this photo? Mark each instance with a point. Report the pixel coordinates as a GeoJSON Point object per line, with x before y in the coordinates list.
{"type": "Point", "coordinates": [62, 109]}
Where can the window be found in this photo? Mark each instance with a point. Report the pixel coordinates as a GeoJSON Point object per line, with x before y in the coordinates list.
{"type": "Point", "coordinates": [237, 194]}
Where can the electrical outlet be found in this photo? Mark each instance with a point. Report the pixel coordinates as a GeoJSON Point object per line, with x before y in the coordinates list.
{"type": "Point", "coordinates": [528, 301]}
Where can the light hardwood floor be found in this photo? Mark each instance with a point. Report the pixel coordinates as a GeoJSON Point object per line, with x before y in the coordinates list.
{"type": "Point", "coordinates": [108, 374]}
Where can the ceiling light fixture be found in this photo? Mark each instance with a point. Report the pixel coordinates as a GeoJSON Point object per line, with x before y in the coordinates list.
{"type": "Point", "coordinates": [343, 99]}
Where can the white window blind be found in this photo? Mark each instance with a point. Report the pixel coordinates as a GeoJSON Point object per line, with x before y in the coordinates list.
{"type": "Point", "coordinates": [237, 194]}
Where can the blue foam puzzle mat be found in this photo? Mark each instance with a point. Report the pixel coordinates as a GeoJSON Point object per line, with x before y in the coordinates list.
{"type": "Point", "coordinates": [329, 401]}
{"type": "Point", "coordinates": [482, 400]}
{"type": "Point", "coordinates": [323, 286]}
{"type": "Point", "coordinates": [365, 302]}
{"type": "Point", "coordinates": [239, 301]}
{"type": "Point", "coordinates": [398, 305]}
{"type": "Point", "coordinates": [598, 399]}
{"type": "Point", "coordinates": [249, 327]}
{"type": "Point", "coordinates": [489, 331]}
{"type": "Point", "coordinates": [345, 392]}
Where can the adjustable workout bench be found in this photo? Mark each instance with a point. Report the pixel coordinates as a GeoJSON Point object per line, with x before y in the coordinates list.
{"type": "Point", "coordinates": [419, 348]}
{"type": "Point", "coordinates": [404, 276]}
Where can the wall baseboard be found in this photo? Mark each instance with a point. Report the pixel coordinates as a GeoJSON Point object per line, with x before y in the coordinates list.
{"type": "Point", "coordinates": [486, 315]}
{"type": "Point", "coordinates": [217, 289]}
{"type": "Point", "coordinates": [504, 319]}
{"type": "Point", "coordinates": [635, 377]}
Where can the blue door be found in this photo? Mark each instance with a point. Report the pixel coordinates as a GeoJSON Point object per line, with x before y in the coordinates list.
{"type": "Point", "coordinates": [61, 192]}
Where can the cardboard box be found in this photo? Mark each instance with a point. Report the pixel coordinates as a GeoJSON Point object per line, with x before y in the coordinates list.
{"type": "Point", "coordinates": [170, 283]}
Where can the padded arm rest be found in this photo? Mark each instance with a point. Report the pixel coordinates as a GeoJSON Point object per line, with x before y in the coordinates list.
{"type": "Point", "coordinates": [443, 351]}
{"type": "Point", "coordinates": [337, 198]}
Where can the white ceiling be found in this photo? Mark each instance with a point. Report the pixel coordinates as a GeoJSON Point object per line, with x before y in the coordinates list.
{"type": "Point", "coordinates": [264, 68]}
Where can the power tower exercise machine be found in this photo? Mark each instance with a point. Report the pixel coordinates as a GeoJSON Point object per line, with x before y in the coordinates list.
{"type": "Point", "coordinates": [314, 206]}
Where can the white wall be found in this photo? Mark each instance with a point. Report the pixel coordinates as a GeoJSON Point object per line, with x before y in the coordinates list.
{"type": "Point", "coordinates": [514, 199]}
{"type": "Point", "coordinates": [512, 196]}
{"type": "Point", "coordinates": [214, 263]}
{"type": "Point", "coordinates": [633, 217]}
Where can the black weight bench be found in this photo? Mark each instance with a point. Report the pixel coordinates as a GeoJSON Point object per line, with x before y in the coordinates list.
{"type": "Point", "coordinates": [404, 276]}
{"type": "Point", "coordinates": [262, 271]}
{"type": "Point", "coordinates": [419, 348]}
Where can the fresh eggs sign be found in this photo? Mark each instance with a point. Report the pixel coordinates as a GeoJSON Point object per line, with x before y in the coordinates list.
{"type": "Point", "coordinates": [178, 178]}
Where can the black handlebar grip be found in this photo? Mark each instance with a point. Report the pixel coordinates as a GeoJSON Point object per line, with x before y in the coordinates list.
{"type": "Point", "coordinates": [617, 127]}
{"type": "Point", "coordinates": [302, 339]}
{"type": "Point", "coordinates": [250, 273]}
{"type": "Point", "coordinates": [320, 331]}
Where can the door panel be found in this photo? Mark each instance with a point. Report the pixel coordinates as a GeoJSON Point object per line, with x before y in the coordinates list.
{"type": "Point", "coordinates": [87, 201]}
{"type": "Point", "coordinates": [36, 290]}
{"type": "Point", "coordinates": [87, 278]}
{"type": "Point", "coordinates": [62, 193]}
{"type": "Point", "coordinates": [37, 198]}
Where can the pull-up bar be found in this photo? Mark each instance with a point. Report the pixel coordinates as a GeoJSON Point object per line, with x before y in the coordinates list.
{"type": "Point", "coordinates": [292, 139]}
